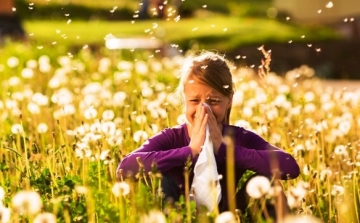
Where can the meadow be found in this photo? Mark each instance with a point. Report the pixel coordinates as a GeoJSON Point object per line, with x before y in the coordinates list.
{"type": "Point", "coordinates": [67, 119]}
{"type": "Point", "coordinates": [71, 109]}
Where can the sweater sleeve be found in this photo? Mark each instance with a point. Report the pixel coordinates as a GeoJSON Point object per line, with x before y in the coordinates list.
{"type": "Point", "coordinates": [252, 152]}
{"type": "Point", "coordinates": [166, 148]}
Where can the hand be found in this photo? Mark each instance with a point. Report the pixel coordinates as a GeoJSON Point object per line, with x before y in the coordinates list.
{"type": "Point", "coordinates": [215, 130]}
{"type": "Point", "coordinates": [198, 130]}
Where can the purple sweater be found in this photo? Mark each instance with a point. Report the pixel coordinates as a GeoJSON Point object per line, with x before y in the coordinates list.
{"type": "Point", "coordinates": [170, 149]}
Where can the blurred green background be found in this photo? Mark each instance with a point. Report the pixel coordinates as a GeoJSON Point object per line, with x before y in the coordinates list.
{"type": "Point", "coordinates": [234, 27]}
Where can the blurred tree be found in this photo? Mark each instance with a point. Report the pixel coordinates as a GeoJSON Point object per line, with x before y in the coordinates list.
{"type": "Point", "coordinates": [10, 24]}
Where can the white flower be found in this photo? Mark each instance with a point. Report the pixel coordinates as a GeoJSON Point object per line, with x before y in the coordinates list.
{"type": "Point", "coordinates": [309, 108]}
{"type": "Point", "coordinates": [14, 81]}
{"type": "Point", "coordinates": [345, 126]}
{"type": "Point", "coordinates": [81, 189]}
{"type": "Point", "coordinates": [140, 135]}
{"type": "Point", "coordinates": [17, 129]}
{"type": "Point", "coordinates": [27, 73]}
{"type": "Point", "coordinates": [40, 99]}
{"type": "Point", "coordinates": [340, 150]}
{"type": "Point", "coordinates": [120, 189]}
{"type": "Point", "coordinates": [309, 96]}
{"type": "Point", "coordinates": [42, 128]}
{"type": "Point", "coordinates": [13, 62]}
{"type": "Point", "coordinates": [2, 194]}
{"type": "Point", "coordinates": [119, 98]}
{"type": "Point", "coordinates": [337, 190]}
{"type": "Point", "coordinates": [243, 123]}
{"type": "Point", "coordinates": [140, 119]}
{"type": "Point", "coordinates": [325, 173]}
{"type": "Point", "coordinates": [258, 186]}
{"type": "Point", "coordinates": [27, 202]}
{"type": "Point", "coordinates": [300, 219]}
{"type": "Point", "coordinates": [153, 217]}
{"type": "Point", "coordinates": [33, 108]}
{"type": "Point", "coordinates": [5, 214]}
{"type": "Point", "coordinates": [45, 218]}
{"type": "Point", "coordinates": [226, 217]}
{"type": "Point", "coordinates": [247, 112]}
{"type": "Point", "coordinates": [90, 113]}
{"type": "Point", "coordinates": [108, 115]}
{"type": "Point", "coordinates": [141, 67]}
{"type": "Point", "coordinates": [125, 65]}
{"type": "Point", "coordinates": [147, 92]}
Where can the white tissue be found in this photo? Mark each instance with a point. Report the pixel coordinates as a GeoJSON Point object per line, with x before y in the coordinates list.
{"type": "Point", "coordinates": [206, 178]}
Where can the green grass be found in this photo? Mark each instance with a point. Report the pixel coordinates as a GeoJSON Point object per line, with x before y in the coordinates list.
{"type": "Point", "coordinates": [208, 31]}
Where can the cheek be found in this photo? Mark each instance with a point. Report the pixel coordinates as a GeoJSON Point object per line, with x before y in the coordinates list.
{"type": "Point", "coordinates": [190, 110]}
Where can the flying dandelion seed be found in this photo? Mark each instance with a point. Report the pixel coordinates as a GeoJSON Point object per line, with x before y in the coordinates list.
{"type": "Point", "coordinates": [121, 189]}
{"type": "Point", "coordinates": [27, 202]}
{"type": "Point", "coordinates": [329, 5]}
{"type": "Point", "coordinates": [258, 186]}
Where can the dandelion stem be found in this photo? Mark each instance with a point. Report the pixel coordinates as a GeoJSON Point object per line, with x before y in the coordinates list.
{"type": "Point", "coordinates": [27, 165]}
{"type": "Point", "coordinates": [230, 172]}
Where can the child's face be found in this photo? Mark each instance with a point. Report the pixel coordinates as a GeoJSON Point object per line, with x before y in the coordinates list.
{"type": "Point", "coordinates": [196, 93]}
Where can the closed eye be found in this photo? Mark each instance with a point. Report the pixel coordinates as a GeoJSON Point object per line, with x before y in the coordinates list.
{"type": "Point", "coordinates": [214, 101]}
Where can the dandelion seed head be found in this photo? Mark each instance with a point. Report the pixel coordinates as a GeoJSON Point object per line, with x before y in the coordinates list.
{"type": "Point", "coordinates": [5, 214]}
{"type": "Point", "coordinates": [17, 129]}
{"type": "Point", "coordinates": [108, 115]}
{"type": "Point", "coordinates": [27, 73]}
{"type": "Point", "coordinates": [120, 189]}
{"type": "Point", "coordinates": [340, 150]}
{"type": "Point", "coordinates": [14, 81]}
{"type": "Point", "coordinates": [45, 218]}
{"type": "Point", "coordinates": [226, 217]}
{"type": "Point", "coordinates": [42, 128]}
{"type": "Point", "coordinates": [90, 113]}
{"type": "Point", "coordinates": [13, 62]}
{"type": "Point", "coordinates": [258, 186]}
{"type": "Point", "coordinates": [153, 216]}
{"type": "Point", "coordinates": [2, 194]}
{"type": "Point", "coordinates": [140, 135]}
{"type": "Point", "coordinates": [300, 219]}
{"type": "Point", "coordinates": [81, 189]}
{"type": "Point", "coordinates": [337, 190]}
{"type": "Point", "coordinates": [27, 202]}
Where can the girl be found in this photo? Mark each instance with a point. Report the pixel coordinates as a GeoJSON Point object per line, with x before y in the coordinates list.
{"type": "Point", "coordinates": [207, 78]}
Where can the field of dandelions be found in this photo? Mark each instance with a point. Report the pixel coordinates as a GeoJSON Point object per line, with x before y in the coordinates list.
{"type": "Point", "coordinates": [66, 121]}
